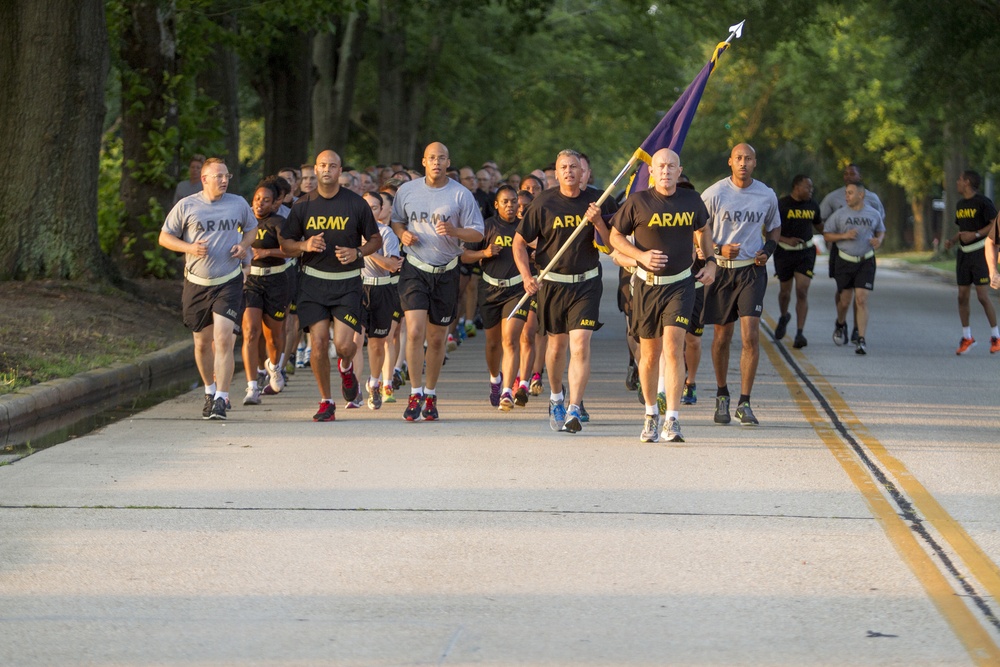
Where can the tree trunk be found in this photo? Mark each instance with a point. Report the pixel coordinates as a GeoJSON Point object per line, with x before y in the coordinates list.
{"type": "Point", "coordinates": [955, 161]}
{"type": "Point", "coordinates": [336, 56]}
{"type": "Point", "coordinates": [52, 71]}
{"type": "Point", "coordinates": [221, 82]}
{"type": "Point", "coordinates": [898, 233]}
{"type": "Point", "coordinates": [284, 83]}
{"type": "Point", "coordinates": [149, 60]}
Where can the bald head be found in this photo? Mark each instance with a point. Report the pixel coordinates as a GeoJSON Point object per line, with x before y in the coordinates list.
{"type": "Point", "coordinates": [328, 167]}
{"type": "Point", "coordinates": [665, 170]}
{"type": "Point", "coordinates": [436, 162]}
{"type": "Point", "coordinates": [742, 161]}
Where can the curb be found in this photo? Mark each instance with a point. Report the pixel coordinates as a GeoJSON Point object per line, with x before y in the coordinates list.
{"type": "Point", "coordinates": [29, 407]}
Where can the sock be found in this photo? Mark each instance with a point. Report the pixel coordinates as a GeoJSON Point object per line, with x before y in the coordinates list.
{"type": "Point", "coordinates": [995, 332]}
{"type": "Point", "coordinates": [252, 384]}
{"type": "Point", "coordinates": [340, 367]}
{"type": "Point", "coordinates": [798, 332]}
{"type": "Point", "coordinates": [841, 324]}
{"type": "Point", "coordinates": [210, 389]}
{"type": "Point", "coordinates": [744, 398]}
{"type": "Point", "coordinates": [281, 360]}
{"type": "Point", "coordinates": [496, 379]}
{"type": "Point", "coordinates": [373, 382]}
{"type": "Point", "coordinates": [430, 392]}
{"type": "Point", "coordinates": [261, 370]}
{"type": "Point", "coordinates": [524, 384]}
{"type": "Point", "coordinates": [556, 397]}
{"type": "Point", "coordinates": [652, 410]}
{"type": "Point", "coordinates": [966, 332]}
{"type": "Point", "coordinates": [328, 400]}
{"type": "Point", "coordinates": [572, 407]}
{"type": "Point", "coordinates": [673, 414]}
{"type": "Point", "coordinates": [224, 395]}
{"type": "Point", "coordinates": [723, 391]}
{"type": "Point", "coordinates": [506, 392]}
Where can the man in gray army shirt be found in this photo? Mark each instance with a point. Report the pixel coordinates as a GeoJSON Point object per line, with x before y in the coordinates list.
{"type": "Point", "coordinates": [739, 208]}
{"type": "Point", "coordinates": [213, 229]}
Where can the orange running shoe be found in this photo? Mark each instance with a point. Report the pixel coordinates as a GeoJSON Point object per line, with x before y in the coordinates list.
{"type": "Point", "coordinates": [966, 344]}
{"type": "Point", "coordinates": [994, 344]}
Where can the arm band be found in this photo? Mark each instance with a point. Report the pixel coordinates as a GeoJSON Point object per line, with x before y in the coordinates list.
{"type": "Point", "coordinates": [769, 247]}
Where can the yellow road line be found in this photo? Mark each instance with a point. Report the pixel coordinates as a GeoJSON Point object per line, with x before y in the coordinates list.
{"type": "Point", "coordinates": [977, 640]}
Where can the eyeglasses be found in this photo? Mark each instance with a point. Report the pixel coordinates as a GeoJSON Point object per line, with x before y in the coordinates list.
{"type": "Point", "coordinates": [437, 158]}
{"type": "Point", "coordinates": [221, 177]}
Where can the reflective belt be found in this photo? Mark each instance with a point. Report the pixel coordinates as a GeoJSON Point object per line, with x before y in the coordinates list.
{"type": "Point", "coordinates": [652, 279]}
{"type": "Point", "coordinates": [212, 282]}
{"type": "Point", "coordinates": [394, 280]}
{"type": "Point", "coordinates": [798, 246]}
{"type": "Point", "coordinates": [268, 270]}
{"type": "Point", "coordinates": [430, 268]}
{"type": "Point", "coordinates": [326, 275]}
{"type": "Point", "coordinates": [857, 260]}
{"type": "Point", "coordinates": [734, 263]}
{"type": "Point", "coordinates": [505, 282]}
{"type": "Point", "coordinates": [571, 278]}
{"type": "Point", "coordinates": [973, 247]}
{"type": "Point", "coordinates": [381, 280]}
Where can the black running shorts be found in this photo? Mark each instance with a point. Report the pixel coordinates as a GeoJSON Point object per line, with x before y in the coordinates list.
{"type": "Point", "coordinates": [655, 307]}
{"type": "Point", "coordinates": [563, 307]}
{"type": "Point", "coordinates": [789, 262]}
{"type": "Point", "coordinates": [971, 268]}
{"type": "Point", "coordinates": [268, 294]}
{"type": "Point", "coordinates": [377, 309]}
{"type": "Point", "coordinates": [434, 293]}
{"type": "Point", "coordinates": [697, 325]}
{"type": "Point", "coordinates": [855, 275]}
{"type": "Point", "coordinates": [735, 293]}
{"type": "Point", "coordinates": [321, 299]}
{"type": "Point", "coordinates": [496, 303]}
{"type": "Point", "coordinates": [199, 303]}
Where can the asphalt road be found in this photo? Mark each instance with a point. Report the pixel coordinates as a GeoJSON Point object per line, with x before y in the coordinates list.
{"type": "Point", "coordinates": [858, 525]}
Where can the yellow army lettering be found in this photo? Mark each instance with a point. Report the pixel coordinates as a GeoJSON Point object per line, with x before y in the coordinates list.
{"type": "Point", "coordinates": [279, 315]}
{"type": "Point", "coordinates": [684, 219]}
{"type": "Point", "coordinates": [587, 323]}
{"type": "Point", "coordinates": [682, 320]}
{"type": "Point", "coordinates": [965, 213]}
{"type": "Point", "coordinates": [801, 214]}
{"type": "Point", "coordinates": [261, 233]}
{"type": "Point", "coordinates": [567, 221]}
{"type": "Point", "coordinates": [350, 319]}
{"type": "Point", "coordinates": [503, 241]}
{"type": "Point", "coordinates": [325, 222]}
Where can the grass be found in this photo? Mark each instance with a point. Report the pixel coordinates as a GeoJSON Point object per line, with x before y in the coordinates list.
{"type": "Point", "coordinates": [926, 258]}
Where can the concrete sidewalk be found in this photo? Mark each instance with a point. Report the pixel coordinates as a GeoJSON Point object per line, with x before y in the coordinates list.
{"type": "Point", "coordinates": [484, 538]}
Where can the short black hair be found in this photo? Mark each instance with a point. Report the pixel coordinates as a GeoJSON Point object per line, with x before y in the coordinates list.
{"type": "Point", "coordinates": [973, 177]}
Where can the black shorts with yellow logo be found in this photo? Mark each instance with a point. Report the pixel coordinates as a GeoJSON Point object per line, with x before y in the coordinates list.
{"type": "Point", "coordinates": [735, 293]}
{"type": "Point", "coordinates": [320, 299]}
{"type": "Point", "coordinates": [379, 309]}
{"type": "Point", "coordinates": [971, 268]}
{"type": "Point", "coordinates": [268, 294]}
{"type": "Point", "coordinates": [855, 275]}
{"type": "Point", "coordinates": [434, 293]}
{"type": "Point", "coordinates": [563, 307]}
{"type": "Point", "coordinates": [655, 307]}
{"type": "Point", "coordinates": [789, 262]}
{"type": "Point", "coordinates": [199, 303]}
{"type": "Point", "coordinates": [697, 324]}
{"type": "Point", "coordinates": [497, 303]}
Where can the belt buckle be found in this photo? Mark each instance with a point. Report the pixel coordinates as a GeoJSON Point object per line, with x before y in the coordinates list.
{"type": "Point", "coordinates": [503, 282]}
{"type": "Point", "coordinates": [650, 279]}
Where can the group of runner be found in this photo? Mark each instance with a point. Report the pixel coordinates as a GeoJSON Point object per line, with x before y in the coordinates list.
{"type": "Point", "coordinates": [350, 267]}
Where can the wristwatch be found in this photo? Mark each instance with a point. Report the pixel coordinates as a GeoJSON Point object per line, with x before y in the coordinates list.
{"type": "Point", "coordinates": [360, 255]}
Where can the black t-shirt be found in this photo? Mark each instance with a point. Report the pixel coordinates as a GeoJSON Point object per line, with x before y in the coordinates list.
{"type": "Point", "coordinates": [665, 223]}
{"type": "Point", "coordinates": [501, 234]}
{"type": "Point", "coordinates": [974, 213]}
{"type": "Point", "coordinates": [267, 239]}
{"type": "Point", "coordinates": [798, 218]}
{"type": "Point", "coordinates": [552, 218]}
{"type": "Point", "coordinates": [343, 220]}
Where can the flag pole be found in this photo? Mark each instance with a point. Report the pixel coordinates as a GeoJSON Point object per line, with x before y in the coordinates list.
{"type": "Point", "coordinates": [735, 31]}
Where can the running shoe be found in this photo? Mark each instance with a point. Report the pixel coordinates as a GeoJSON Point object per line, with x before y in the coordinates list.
{"type": "Point", "coordinates": [840, 334]}
{"type": "Point", "coordinates": [276, 379]}
{"type": "Point", "coordinates": [573, 424]}
{"type": "Point", "coordinates": [300, 357]}
{"type": "Point", "coordinates": [779, 331]}
{"type": "Point", "coordinates": [306, 356]}
{"type": "Point", "coordinates": [855, 335]}
{"type": "Point", "coordinates": [672, 431]}
{"type": "Point", "coordinates": [478, 321]}
{"type": "Point", "coordinates": [327, 412]}
{"type": "Point", "coordinates": [967, 344]}
{"type": "Point", "coordinates": [218, 409]}
{"type": "Point", "coordinates": [206, 410]}
{"type": "Point", "coordinates": [470, 329]}
{"type": "Point", "coordinates": [397, 378]}
{"type": "Point", "coordinates": [252, 397]}
{"type": "Point", "coordinates": [661, 402]}
{"type": "Point", "coordinates": [349, 386]}
{"type": "Point", "coordinates": [374, 401]}
{"type": "Point", "coordinates": [722, 410]}
{"type": "Point", "coordinates": [284, 375]}
{"type": "Point", "coordinates": [690, 394]}
{"type": "Point", "coordinates": [536, 384]}
{"type": "Point", "coordinates": [650, 429]}
{"type": "Point", "coordinates": [862, 347]}
{"type": "Point", "coordinates": [745, 414]}
{"type": "Point", "coordinates": [460, 330]}
{"type": "Point", "coordinates": [412, 412]}
{"type": "Point", "coordinates": [521, 397]}
{"type": "Point", "coordinates": [430, 411]}
{"type": "Point", "coordinates": [357, 402]}
{"type": "Point", "coordinates": [495, 391]}
{"type": "Point", "coordinates": [631, 377]}
{"type": "Point", "coordinates": [584, 415]}
{"type": "Point", "coordinates": [506, 401]}
{"type": "Point", "coordinates": [800, 341]}
{"type": "Point", "coordinates": [452, 345]}
{"type": "Point", "coordinates": [639, 394]}
{"type": "Point", "coordinates": [557, 415]}
{"type": "Point", "coordinates": [388, 394]}
{"type": "Point", "coordinates": [268, 391]}
{"type": "Point", "coordinates": [406, 373]}
{"type": "Point", "coordinates": [261, 378]}
{"type": "Point", "coordinates": [994, 344]}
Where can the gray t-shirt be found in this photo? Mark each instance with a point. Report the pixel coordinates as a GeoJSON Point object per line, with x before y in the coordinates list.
{"type": "Point", "coordinates": [390, 248]}
{"type": "Point", "coordinates": [420, 207]}
{"type": "Point", "coordinates": [186, 189]}
{"type": "Point", "coordinates": [867, 221]}
{"type": "Point", "coordinates": [222, 223]}
{"type": "Point", "coordinates": [838, 200]}
{"type": "Point", "coordinates": [739, 215]}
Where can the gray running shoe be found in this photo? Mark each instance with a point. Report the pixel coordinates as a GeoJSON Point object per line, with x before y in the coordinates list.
{"type": "Point", "coordinates": [779, 331]}
{"type": "Point", "coordinates": [862, 346]}
{"type": "Point", "coordinates": [206, 410]}
{"type": "Point", "coordinates": [374, 401]}
{"type": "Point", "coordinates": [855, 335]}
{"type": "Point", "coordinates": [840, 334]}
{"type": "Point", "coordinates": [745, 414]}
{"type": "Point", "coordinates": [672, 431]}
{"type": "Point", "coordinates": [573, 423]}
{"type": "Point", "coordinates": [722, 410]}
{"type": "Point", "coordinates": [252, 397]}
{"type": "Point", "coordinates": [650, 429]}
{"type": "Point", "coordinates": [218, 409]}
{"type": "Point", "coordinates": [800, 342]}
{"type": "Point", "coordinates": [557, 415]}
